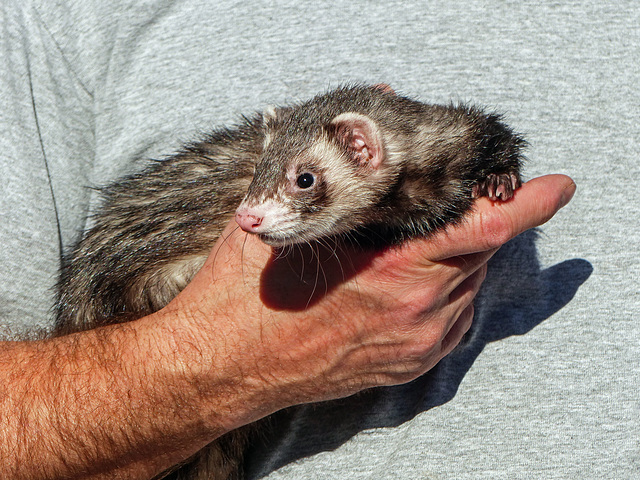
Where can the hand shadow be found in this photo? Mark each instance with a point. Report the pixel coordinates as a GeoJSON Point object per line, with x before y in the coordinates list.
{"type": "Point", "coordinates": [516, 297]}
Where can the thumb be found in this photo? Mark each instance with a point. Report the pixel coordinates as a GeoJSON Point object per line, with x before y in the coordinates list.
{"type": "Point", "coordinates": [492, 224]}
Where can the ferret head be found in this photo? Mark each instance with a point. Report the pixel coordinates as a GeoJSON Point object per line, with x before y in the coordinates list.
{"type": "Point", "coordinates": [315, 178]}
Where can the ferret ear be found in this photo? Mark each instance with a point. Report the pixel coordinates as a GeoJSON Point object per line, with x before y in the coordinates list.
{"type": "Point", "coordinates": [360, 136]}
{"type": "Point", "coordinates": [268, 119]}
{"type": "Point", "coordinates": [385, 88]}
{"type": "Point", "coordinates": [269, 113]}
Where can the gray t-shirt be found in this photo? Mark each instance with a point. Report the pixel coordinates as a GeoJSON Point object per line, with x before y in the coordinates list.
{"type": "Point", "coordinates": [547, 386]}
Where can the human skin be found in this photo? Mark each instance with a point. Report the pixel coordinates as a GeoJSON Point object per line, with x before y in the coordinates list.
{"type": "Point", "coordinates": [251, 334]}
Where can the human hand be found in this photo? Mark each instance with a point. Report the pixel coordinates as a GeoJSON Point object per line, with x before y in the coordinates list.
{"type": "Point", "coordinates": [264, 332]}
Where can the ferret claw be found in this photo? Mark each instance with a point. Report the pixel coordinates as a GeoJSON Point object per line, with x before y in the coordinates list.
{"type": "Point", "coordinates": [497, 186]}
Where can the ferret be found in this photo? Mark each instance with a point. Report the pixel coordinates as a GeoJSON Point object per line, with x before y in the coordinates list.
{"type": "Point", "coordinates": [358, 162]}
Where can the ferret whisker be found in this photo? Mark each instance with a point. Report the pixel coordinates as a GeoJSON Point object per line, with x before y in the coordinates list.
{"type": "Point", "coordinates": [288, 257]}
{"type": "Point", "coordinates": [302, 260]}
{"type": "Point", "coordinates": [332, 244]}
{"type": "Point", "coordinates": [353, 242]}
{"type": "Point", "coordinates": [338, 247]}
{"type": "Point", "coordinates": [319, 269]}
{"type": "Point", "coordinates": [244, 243]}
{"type": "Point", "coordinates": [288, 249]}
{"type": "Point", "coordinates": [224, 239]}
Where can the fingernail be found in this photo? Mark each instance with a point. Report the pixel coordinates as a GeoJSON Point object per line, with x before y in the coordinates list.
{"type": "Point", "coordinates": [567, 194]}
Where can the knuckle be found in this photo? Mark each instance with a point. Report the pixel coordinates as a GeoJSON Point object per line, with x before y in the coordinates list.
{"type": "Point", "coordinates": [484, 269]}
{"type": "Point", "coordinates": [496, 228]}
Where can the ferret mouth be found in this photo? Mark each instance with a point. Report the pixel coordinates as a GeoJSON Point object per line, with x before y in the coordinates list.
{"type": "Point", "coordinates": [284, 240]}
{"type": "Point", "coordinates": [276, 241]}
{"type": "Point", "coordinates": [292, 236]}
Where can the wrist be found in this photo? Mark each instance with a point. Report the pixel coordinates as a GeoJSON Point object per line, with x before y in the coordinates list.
{"type": "Point", "coordinates": [208, 365]}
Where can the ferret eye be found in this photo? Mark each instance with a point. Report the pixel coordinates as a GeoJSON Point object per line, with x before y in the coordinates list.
{"type": "Point", "coordinates": [305, 180]}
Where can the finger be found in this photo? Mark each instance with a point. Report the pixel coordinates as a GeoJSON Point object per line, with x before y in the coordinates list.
{"type": "Point", "coordinates": [459, 298]}
{"type": "Point", "coordinates": [464, 293]}
{"type": "Point", "coordinates": [467, 264]}
{"type": "Point", "coordinates": [460, 327]}
{"type": "Point", "coordinates": [462, 275]}
{"type": "Point", "coordinates": [492, 224]}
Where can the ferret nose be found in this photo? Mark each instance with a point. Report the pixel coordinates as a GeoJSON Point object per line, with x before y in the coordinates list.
{"type": "Point", "coordinates": [248, 223]}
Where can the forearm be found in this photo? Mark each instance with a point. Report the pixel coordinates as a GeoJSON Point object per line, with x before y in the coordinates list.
{"type": "Point", "coordinates": [109, 403]}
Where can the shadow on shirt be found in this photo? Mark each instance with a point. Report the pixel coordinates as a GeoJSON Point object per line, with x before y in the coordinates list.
{"type": "Point", "coordinates": [516, 297]}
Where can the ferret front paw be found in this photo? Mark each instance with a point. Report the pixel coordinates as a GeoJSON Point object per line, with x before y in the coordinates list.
{"type": "Point", "coordinates": [497, 186]}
